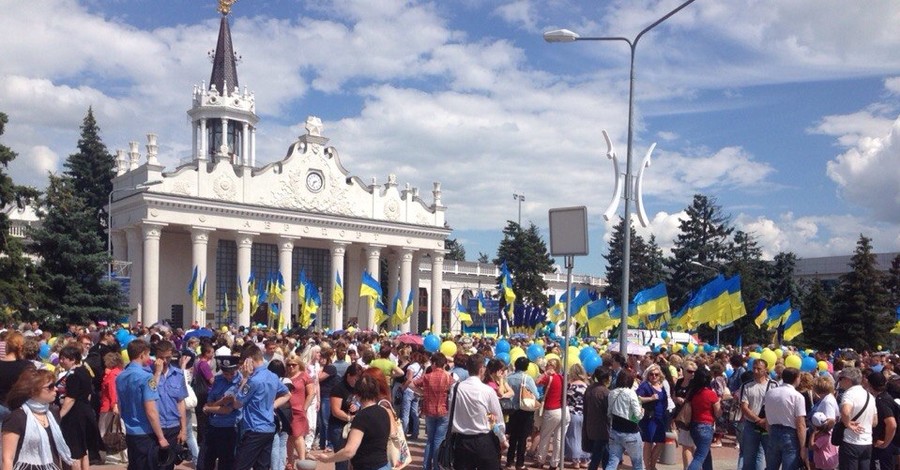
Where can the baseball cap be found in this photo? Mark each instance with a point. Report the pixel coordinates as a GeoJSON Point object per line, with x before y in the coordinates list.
{"type": "Point", "coordinates": [818, 418]}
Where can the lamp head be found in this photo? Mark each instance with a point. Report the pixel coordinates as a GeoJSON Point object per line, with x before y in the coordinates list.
{"type": "Point", "coordinates": [561, 35]}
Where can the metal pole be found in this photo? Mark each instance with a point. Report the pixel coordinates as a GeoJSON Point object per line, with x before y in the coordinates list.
{"type": "Point", "coordinates": [626, 249]}
{"type": "Point", "coordinates": [570, 264]}
{"type": "Point", "coordinates": [109, 237]}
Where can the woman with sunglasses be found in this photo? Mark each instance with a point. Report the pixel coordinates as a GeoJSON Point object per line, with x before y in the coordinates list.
{"type": "Point", "coordinates": [31, 437]}
{"type": "Point", "coordinates": [302, 393]}
{"type": "Point", "coordinates": [655, 400]}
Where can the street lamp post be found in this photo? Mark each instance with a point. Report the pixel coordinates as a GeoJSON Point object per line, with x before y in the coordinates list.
{"type": "Point", "coordinates": [564, 35]}
{"type": "Point", "coordinates": [109, 220]}
{"type": "Point", "coordinates": [520, 198]}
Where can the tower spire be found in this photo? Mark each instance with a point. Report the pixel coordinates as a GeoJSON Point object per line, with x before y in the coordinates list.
{"type": "Point", "coordinates": [224, 70]}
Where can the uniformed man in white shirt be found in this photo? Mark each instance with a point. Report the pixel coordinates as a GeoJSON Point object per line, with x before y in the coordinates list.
{"type": "Point", "coordinates": [477, 421]}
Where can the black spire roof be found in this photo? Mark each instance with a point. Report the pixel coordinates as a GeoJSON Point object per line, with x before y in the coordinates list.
{"type": "Point", "coordinates": [224, 63]}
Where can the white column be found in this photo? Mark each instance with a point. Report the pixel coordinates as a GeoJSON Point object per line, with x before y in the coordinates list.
{"type": "Point", "coordinates": [253, 147]}
{"type": "Point", "coordinates": [195, 126]}
{"type": "Point", "coordinates": [437, 283]}
{"type": "Point", "coordinates": [151, 233]}
{"type": "Point", "coordinates": [406, 258]}
{"type": "Point", "coordinates": [338, 249]}
{"type": "Point", "coordinates": [136, 257]}
{"type": "Point", "coordinates": [285, 258]}
{"type": "Point", "coordinates": [415, 324]}
{"type": "Point", "coordinates": [373, 256]}
{"type": "Point", "coordinates": [245, 145]}
{"type": "Point", "coordinates": [224, 137]}
{"type": "Point", "coordinates": [244, 246]}
{"type": "Point", "coordinates": [393, 284]}
{"type": "Point", "coordinates": [204, 142]}
{"type": "Point", "coordinates": [199, 245]}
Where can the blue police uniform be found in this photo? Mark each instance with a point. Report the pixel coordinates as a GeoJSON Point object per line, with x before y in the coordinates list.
{"type": "Point", "coordinates": [221, 434]}
{"type": "Point", "coordinates": [257, 400]}
{"type": "Point", "coordinates": [172, 389]}
{"type": "Point", "coordinates": [136, 386]}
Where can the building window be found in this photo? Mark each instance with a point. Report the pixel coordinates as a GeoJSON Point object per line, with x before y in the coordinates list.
{"type": "Point", "coordinates": [316, 265]}
{"type": "Point", "coordinates": [226, 284]}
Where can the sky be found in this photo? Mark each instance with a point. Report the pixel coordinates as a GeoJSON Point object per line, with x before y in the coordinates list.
{"type": "Point", "coordinates": [786, 112]}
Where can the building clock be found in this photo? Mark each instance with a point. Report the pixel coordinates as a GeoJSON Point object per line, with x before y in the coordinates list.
{"type": "Point", "coordinates": [314, 181]}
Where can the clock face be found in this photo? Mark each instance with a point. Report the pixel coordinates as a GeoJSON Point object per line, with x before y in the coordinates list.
{"type": "Point", "coordinates": [314, 182]}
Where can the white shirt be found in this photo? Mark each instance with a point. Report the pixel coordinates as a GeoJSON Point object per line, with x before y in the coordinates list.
{"type": "Point", "coordinates": [856, 396]}
{"type": "Point", "coordinates": [784, 405]}
{"type": "Point", "coordinates": [829, 407]}
{"type": "Point", "coordinates": [476, 400]}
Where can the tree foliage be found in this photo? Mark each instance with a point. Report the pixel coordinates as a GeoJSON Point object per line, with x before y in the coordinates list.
{"type": "Point", "coordinates": [455, 250]}
{"type": "Point", "coordinates": [818, 317]}
{"type": "Point", "coordinates": [91, 170]}
{"type": "Point", "coordinates": [744, 258]}
{"type": "Point", "coordinates": [861, 311]}
{"type": "Point", "coordinates": [703, 239]}
{"type": "Point", "coordinates": [527, 257]}
{"type": "Point", "coordinates": [16, 271]}
{"type": "Point", "coordinates": [647, 266]}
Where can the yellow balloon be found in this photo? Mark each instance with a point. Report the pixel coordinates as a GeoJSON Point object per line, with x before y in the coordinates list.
{"type": "Point", "coordinates": [224, 329]}
{"type": "Point", "coordinates": [533, 370]}
{"type": "Point", "coordinates": [793, 361]}
{"type": "Point", "coordinates": [572, 357]}
{"type": "Point", "coordinates": [676, 348]}
{"type": "Point", "coordinates": [540, 341]}
{"type": "Point", "coordinates": [50, 367]}
{"type": "Point", "coordinates": [755, 355]}
{"type": "Point", "coordinates": [779, 352]}
{"type": "Point", "coordinates": [448, 348]}
{"type": "Point", "coordinates": [769, 356]}
{"type": "Point", "coordinates": [823, 366]}
{"type": "Point", "coordinates": [52, 340]}
{"type": "Point", "coordinates": [691, 348]}
{"type": "Point", "coordinates": [125, 356]}
{"type": "Point", "coordinates": [515, 353]}
{"type": "Point", "coordinates": [551, 356]}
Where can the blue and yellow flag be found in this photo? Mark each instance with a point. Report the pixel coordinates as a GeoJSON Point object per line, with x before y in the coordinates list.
{"type": "Point", "coordinates": [463, 315]}
{"type": "Point", "coordinates": [201, 296]}
{"type": "Point", "coordinates": [705, 304]}
{"type": "Point", "coordinates": [761, 313]}
{"type": "Point", "coordinates": [793, 326]}
{"type": "Point", "coordinates": [409, 306]}
{"type": "Point", "coordinates": [734, 304]}
{"type": "Point", "coordinates": [337, 295]}
{"type": "Point", "coordinates": [369, 287]}
{"type": "Point", "coordinates": [252, 293]}
{"type": "Point", "coordinates": [579, 306]}
{"type": "Point", "coordinates": [193, 288]}
{"type": "Point", "coordinates": [479, 303]}
{"type": "Point", "coordinates": [506, 287]}
{"type": "Point", "coordinates": [652, 301]}
{"type": "Point", "coordinates": [777, 314]}
{"type": "Point", "coordinates": [397, 314]}
{"type": "Point", "coordinates": [599, 319]}
{"type": "Point", "coordinates": [380, 312]}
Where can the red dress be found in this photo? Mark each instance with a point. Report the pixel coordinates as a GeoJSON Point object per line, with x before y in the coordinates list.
{"type": "Point", "coordinates": [299, 424]}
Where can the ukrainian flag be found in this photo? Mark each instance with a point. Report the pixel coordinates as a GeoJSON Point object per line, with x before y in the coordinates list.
{"type": "Point", "coordinates": [652, 301]}
{"type": "Point", "coordinates": [506, 286]}
{"type": "Point", "coordinates": [193, 288]}
{"type": "Point", "coordinates": [239, 302]}
{"type": "Point", "coordinates": [409, 306]}
{"type": "Point", "coordinates": [397, 314]}
{"type": "Point", "coordinates": [463, 315]}
{"type": "Point", "coordinates": [201, 296]}
{"type": "Point", "coordinates": [598, 316]}
{"type": "Point", "coordinates": [380, 312]}
{"type": "Point", "coordinates": [253, 294]}
{"type": "Point", "coordinates": [479, 303]}
{"type": "Point", "coordinates": [704, 305]}
{"type": "Point", "coordinates": [337, 295]}
{"type": "Point", "coordinates": [579, 306]}
{"type": "Point", "coordinates": [369, 287]}
{"type": "Point", "coordinates": [735, 308]}
{"type": "Point", "coordinates": [777, 314]}
{"type": "Point", "coordinates": [793, 326]}
{"type": "Point", "coordinates": [761, 313]}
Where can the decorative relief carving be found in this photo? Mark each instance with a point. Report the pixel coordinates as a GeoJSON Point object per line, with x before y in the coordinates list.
{"type": "Point", "coordinates": [152, 232]}
{"type": "Point", "coordinates": [182, 187]}
{"type": "Point", "coordinates": [154, 213]}
{"type": "Point", "coordinates": [245, 241]}
{"type": "Point", "coordinates": [292, 193]}
{"type": "Point", "coordinates": [423, 219]}
{"type": "Point", "coordinates": [200, 236]}
{"type": "Point", "coordinates": [225, 188]}
{"type": "Point", "coordinates": [392, 210]}
{"type": "Point", "coordinates": [202, 218]}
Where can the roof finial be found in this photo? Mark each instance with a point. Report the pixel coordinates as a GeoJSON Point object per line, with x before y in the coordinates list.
{"type": "Point", "coordinates": [225, 6]}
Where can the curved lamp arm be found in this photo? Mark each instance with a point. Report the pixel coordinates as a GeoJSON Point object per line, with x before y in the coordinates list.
{"type": "Point", "coordinates": [617, 190]}
{"type": "Point", "coordinates": [645, 163]}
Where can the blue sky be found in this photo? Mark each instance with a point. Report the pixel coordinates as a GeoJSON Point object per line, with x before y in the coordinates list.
{"type": "Point", "coordinates": [786, 112]}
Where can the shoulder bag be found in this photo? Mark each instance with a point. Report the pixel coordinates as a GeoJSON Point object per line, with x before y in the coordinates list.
{"type": "Point", "coordinates": [684, 416]}
{"type": "Point", "coordinates": [527, 400]}
{"type": "Point", "coordinates": [837, 434]}
{"type": "Point", "coordinates": [114, 438]}
{"type": "Point", "coordinates": [397, 448]}
{"type": "Point", "coordinates": [445, 449]}
{"type": "Point", "coordinates": [539, 416]}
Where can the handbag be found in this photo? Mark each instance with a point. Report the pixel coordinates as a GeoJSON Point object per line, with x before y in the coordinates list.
{"type": "Point", "coordinates": [527, 400]}
{"type": "Point", "coordinates": [398, 453]}
{"type": "Point", "coordinates": [539, 416]}
{"type": "Point", "coordinates": [683, 418]}
{"type": "Point", "coordinates": [837, 433]}
{"type": "Point", "coordinates": [114, 438]}
{"type": "Point", "coordinates": [445, 450]}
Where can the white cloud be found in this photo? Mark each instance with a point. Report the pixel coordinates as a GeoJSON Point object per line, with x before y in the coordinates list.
{"type": "Point", "coordinates": [31, 167]}
{"type": "Point", "coordinates": [893, 85]}
{"type": "Point", "coordinates": [676, 176]}
{"type": "Point", "coordinates": [519, 12]}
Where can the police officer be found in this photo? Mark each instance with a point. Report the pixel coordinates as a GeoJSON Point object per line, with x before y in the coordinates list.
{"type": "Point", "coordinates": [172, 390]}
{"type": "Point", "coordinates": [221, 432]}
{"type": "Point", "coordinates": [137, 390]}
{"type": "Point", "coordinates": [259, 392]}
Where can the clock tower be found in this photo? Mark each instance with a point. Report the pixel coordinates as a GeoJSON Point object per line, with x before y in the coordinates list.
{"type": "Point", "coordinates": [223, 118]}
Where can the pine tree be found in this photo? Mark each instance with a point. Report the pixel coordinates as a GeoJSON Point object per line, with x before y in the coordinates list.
{"type": "Point", "coordinates": [526, 256]}
{"type": "Point", "coordinates": [74, 260]}
{"type": "Point", "coordinates": [703, 239]}
{"type": "Point", "coordinates": [483, 257]}
{"type": "Point", "coordinates": [782, 285]}
{"type": "Point", "coordinates": [861, 311]}
{"type": "Point", "coordinates": [817, 315]}
{"type": "Point", "coordinates": [92, 170]}
{"type": "Point", "coordinates": [892, 283]}
{"type": "Point", "coordinates": [15, 269]}
{"type": "Point", "coordinates": [647, 264]}
{"type": "Point", "coordinates": [455, 250]}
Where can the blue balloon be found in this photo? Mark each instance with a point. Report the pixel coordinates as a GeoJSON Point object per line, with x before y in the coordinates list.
{"type": "Point", "coordinates": [708, 347]}
{"type": "Point", "coordinates": [121, 334]}
{"type": "Point", "coordinates": [809, 364]}
{"type": "Point", "coordinates": [750, 363]}
{"type": "Point", "coordinates": [759, 349]}
{"type": "Point", "coordinates": [503, 357]}
{"type": "Point", "coordinates": [44, 351]}
{"type": "Point", "coordinates": [501, 347]}
{"type": "Point", "coordinates": [128, 339]}
{"type": "Point", "coordinates": [431, 343]}
{"type": "Point", "coordinates": [585, 352]}
{"type": "Point", "coordinates": [592, 362]}
{"type": "Point", "coordinates": [534, 352]}
{"type": "Point", "coordinates": [664, 335]}
{"type": "Point", "coordinates": [655, 349]}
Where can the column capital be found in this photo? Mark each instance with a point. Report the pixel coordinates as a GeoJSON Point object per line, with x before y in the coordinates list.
{"type": "Point", "coordinates": [245, 239]}
{"type": "Point", "coordinates": [152, 230]}
{"type": "Point", "coordinates": [200, 234]}
{"type": "Point", "coordinates": [406, 254]}
{"type": "Point", "coordinates": [286, 243]}
{"type": "Point", "coordinates": [374, 251]}
{"type": "Point", "coordinates": [339, 248]}
{"type": "Point", "coordinates": [437, 256]}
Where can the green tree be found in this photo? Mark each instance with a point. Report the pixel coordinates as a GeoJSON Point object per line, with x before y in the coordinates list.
{"type": "Point", "coordinates": [744, 258]}
{"type": "Point", "coordinates": [483, 257]}
{"type": "Point", "coordinates": [16, 295]}
{"type": "Point", "coordinates": [92, 169]}
{"type": "Point", "coordinates": [892, 282]}
{"type": "Point", "coordinates": [527, 257]}
{"type": "Point", "coordinates": [861, 311]}
{"type": "Point", "coordinates": [455, 250]}
{"type": "Point", "coordinates": [782, 285]}
{"type": "Point", "coordinates": [703, 239]}
{"type": "Point", "coordinates": [646, 268]}
{"type": "Point", "coordinates": [817, 315]}
{"type": "Point", "coordinates": [74, 260]}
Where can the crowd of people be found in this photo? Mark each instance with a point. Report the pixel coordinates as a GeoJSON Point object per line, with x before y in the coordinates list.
{"type": "Point", "coordinates": [240, 398]}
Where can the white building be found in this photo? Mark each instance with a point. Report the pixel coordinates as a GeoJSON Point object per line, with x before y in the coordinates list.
{"type": "Point", "coordinates": [228, 217]}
